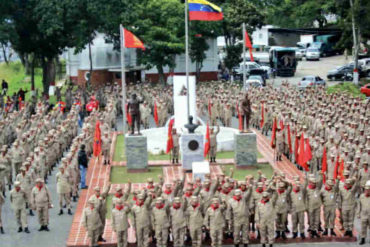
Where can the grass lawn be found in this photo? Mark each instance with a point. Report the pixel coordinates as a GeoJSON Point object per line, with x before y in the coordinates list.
{"type": "Point", "coordinates": [119, 175]}
{"type": "Point", "coordinates": [119, 153]}
{"type": "Point", "coordinates": [239, 174]}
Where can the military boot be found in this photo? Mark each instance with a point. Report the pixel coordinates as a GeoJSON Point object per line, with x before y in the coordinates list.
{"type": "Point", "coordinates": [303, 236]}
{"type": "Point", "coordinates": [69, 211]}
{"type": "Point", "coordinates": [236, 245]}
{"type": "Point", "coordinates": [325, 232]}
{"type": "Point", "coordinates": [31, 212]}
{"type": "Point", "coordinates": [1, 230]}
{"type": "Point", "coordinates": [295, 234]}
{"type": "Point", "coordinates": [362, 241]}
{"type": "Point", "coordinates": [277, 235]}
{"type": "Point", "coordinates": [283, 235]}
{"type": "Point", "coordinates": [20, 229]}
{"type": "Point", "coordinates": [332, 233]}
{"type": "Point", "coordinates": [61, 212]}
{"type": "Point", "coordinates": [26, 230]}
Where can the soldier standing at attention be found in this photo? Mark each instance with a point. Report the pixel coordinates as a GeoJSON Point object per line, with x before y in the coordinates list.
{"type": "Point", "coordinates": [176, 146]}
{"type": "Point", "coordinates": [120, 224]}
{"type": "Point", "coordinates": [265, 218]}
{"type": "Point", "coordinates": [41, 202]}
{"type": "Point", "coordinates": [298, 198]}
{"type": "Point", "coordinates": [160, 221]}
{"type": "Point", "coordinates": [18, 199]}
{"type": "Point", "coordinates": [213, 143]}
{"type": "Point", "coordinates": [214, 220]}
{"type": "Point", "coordinates": [364, 212]}
{"type": "Point", "coordinates": [282, 206]}
{"type": "Point", "coordinates": [314, 203]}
{"type": "Point", "coordinates": [106, 143]}
{"type": "Point", "coordinates": [63, 180]}
{"type": "Point", "coordinates": [92, 222]}
{"type": "Point", "coordinates": [347, 194]}
{"type": "Point", "coordinates": [133, 107]}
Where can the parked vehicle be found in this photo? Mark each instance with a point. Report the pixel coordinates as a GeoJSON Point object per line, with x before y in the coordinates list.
{"type": "Point", "coordinates": [366, 90]}
{"type": "Point", "coordinates": [283, 61]}
{"type": "Point", "coordinates": [342, 73]}
{"type": "Point", "coordinates": [253, 84]}
{"type": "Point", "coordinates": [312, 54]}
{"type": "Point", "coordinates": [311, 81]}
{"type": "Point", "coordinates": [298, 53]}
{"type": "Point", "coordinates": [263, 70]}
{"type": "Point", "coordinates": [364, 65]}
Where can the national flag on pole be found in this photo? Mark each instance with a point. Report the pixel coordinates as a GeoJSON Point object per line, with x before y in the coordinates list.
{"type": "Point", "coordinates": [324, 164]}
{"type": "Point", "coordinates": [131, 41]}
{"type": "Point", "coordinates": [262, 116]}
{"type": "Point", "coordinates": [128, 116]}
{"type": "Point", "coordinates": [202, 10]}
{"type": "Point", "coordinates": [239, 117]}
{"type": "Point", "coordinates": [281, 123]}
{"type": "Point", "coordinates": [301, 155]}
{"type": "Point", "coordinates": [169, 134]}
{"type": "Point", "coordinates": [207, 145]}
{"type": "Point", "coordinates": [209, 109]}
{"type": "Point", "coordinates": [248, 44]}
{"type": "Point", "coordinates": [155, 113]}
{"type": "Point", "coordinates": [341, 171]}
{"type": "Point", "coordinates": [97, 140]}
{"type": "Point", "coordinates": [273, 136]}
{"type": "Point", "coordinates": [289, 140]}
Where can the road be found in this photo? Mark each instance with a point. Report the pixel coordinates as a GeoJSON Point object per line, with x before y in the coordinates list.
{"type": "Point", "coordinates": [317, 68]}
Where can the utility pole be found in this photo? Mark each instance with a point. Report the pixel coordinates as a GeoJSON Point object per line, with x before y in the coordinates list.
{"type": "Point", "coordinates": [355, 44]}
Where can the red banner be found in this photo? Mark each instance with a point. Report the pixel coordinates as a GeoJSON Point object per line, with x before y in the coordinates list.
{"type": "Point", "coordinates": [169, 134]}
{"type": "Point", "coordinates": [97, 140]}
{"type": "Point", "coordinates": [131, 41]}
{"type": "Point", "coordinates": [156, 114]}
{"type": "Point", "coordinates": [207, 145]}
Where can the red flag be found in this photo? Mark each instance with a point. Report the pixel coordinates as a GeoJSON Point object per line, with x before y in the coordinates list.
{"type": "Point", "coordinates": [324, 164]}
{"type": "Point", "coordinates": [239, 117]}
{"type": "Point", "coordinates": [248, 44]}
{"type": "Point", "coordinates": [301, 155]}
{"type": "Point", "coordinates": [335, 174]}
{"type": "Point", "coordinates": [273, 135]}
{"type": "Point", "coordinates": [341, 170]}
{"type": "Point", "coordinates": [170, 140]}
{"type": "Point", "coordinates": [296, 143]}
{"type": "Point", "coordinates": [209, 109]}
{"type": "Point", "coordinates": [128, 116]}
{"type": "Point", "coordinates": [262, 116]}
{"type": "Point", "coordinates": [289, 140]}
{"type": "Point", "coordinates": [155, 113]}
{"type": "Point", "coordinates": [307, 152]}
{"type": "Point", "coordinates": [281, 123]}
{"type": "Point", "coordinates": [207, 145]}
{"type": "Point", "coordinates": [131, 41]}
{"type": "Point", "coordinates": [97, 140]}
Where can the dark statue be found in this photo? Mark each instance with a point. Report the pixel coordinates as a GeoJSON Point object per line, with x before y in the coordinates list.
{"type": "Point", "coordinates": [246, 112]}
{"type": "Point", "coordinates": [190, 126]}
{"type": "Point", "coordinates": [133, 107]}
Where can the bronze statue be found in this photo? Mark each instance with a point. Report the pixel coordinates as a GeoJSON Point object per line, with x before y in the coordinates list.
{"type": "Point", "coordinates": [246, 112]}
{"type": "Point", "coordinates": [133, 107]}
{"type": "Point", "coordinates": [190, 126]}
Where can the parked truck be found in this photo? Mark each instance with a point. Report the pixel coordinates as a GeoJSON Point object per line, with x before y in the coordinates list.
{"type": "Point", "coordinates": [283, 61]}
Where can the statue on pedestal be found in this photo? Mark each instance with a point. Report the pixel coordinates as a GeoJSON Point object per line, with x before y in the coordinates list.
{"type": "Point", "coordinates": [191, 126]}
{"type": "Point", "coordinates": [133, 107]}
{"type": "Point", "coordinates": [246, 113]}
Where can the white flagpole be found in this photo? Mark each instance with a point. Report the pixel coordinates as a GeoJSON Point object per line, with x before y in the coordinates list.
{"type": "Point", "coordinates": [244, 75]}
{"type": "Point", "coordinates": [187, 56]}
{"type": "Point", "coordinates": [123, 76]}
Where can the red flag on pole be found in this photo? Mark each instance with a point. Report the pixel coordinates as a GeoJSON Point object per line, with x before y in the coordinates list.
{"type": "Point", "coordinates": [301, 155]}
{"type": "Point", "coordinates": [307, 152]}
{"type": "Point", "coordinates": [262, 116]}
{"type": "Point", "coordinates": [335, 174]}
{"type": "Point", "coordinates": [207, 145]}
{"type": "Point", "coordinates": [97, 140]}
{"type": "Point", "coordinates": [239, 117]}
{"type": "Point", "coordinates": [155, 113]}
{"type": "Point", "coordinates": [341, 170]}
{"type": "Point", "coordinates": [324, 164]}
{"type": "Point", "coordinates": [281, 123]}
{"type": "Point", "coordinates": [289, 140]}
{"type": "Point", "coordinates": [296, 145]}
{"type": "Point", "coordinates": [273, 135]}
{"type": "Point", "coordinates": [209, 109]}
{"type": "Point", "coordinates": [248, 44]}
{"type": "Point", "coordinates": [128, 116]}
{"type": "Point", "coordinates": [131, 41]}
{"type": "Point", "coordinates": [170, 140]}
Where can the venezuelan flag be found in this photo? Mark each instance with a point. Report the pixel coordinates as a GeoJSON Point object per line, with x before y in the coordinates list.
{"type": "Point", "coordinates": [202, 10]}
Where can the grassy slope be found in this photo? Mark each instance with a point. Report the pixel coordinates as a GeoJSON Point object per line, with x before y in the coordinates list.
{"type": "Point", "coordinates": [119, 175]}
{"type": "Point", "coordinates": [240, 174]}
{"type": "Point", "coordinates": [119, 153]}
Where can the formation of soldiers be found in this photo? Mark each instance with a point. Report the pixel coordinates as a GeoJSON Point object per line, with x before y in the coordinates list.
{"type": "Point", "coordinates": [33, 146]}
{"type": "Point", "coordinates": [223, 208]}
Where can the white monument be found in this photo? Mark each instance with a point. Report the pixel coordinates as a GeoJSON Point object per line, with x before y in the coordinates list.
{"type": "Point", "coordinates": [200, 169]}
{"type": "Point", "coordinates": [180, 99]}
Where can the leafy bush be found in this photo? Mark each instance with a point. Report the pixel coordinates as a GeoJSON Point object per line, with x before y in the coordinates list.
{"type": "Point", "coordinates": [346, 87]}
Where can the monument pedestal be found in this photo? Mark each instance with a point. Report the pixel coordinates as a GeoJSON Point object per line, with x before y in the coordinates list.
{"type": "Point", "coordinates": [192, 150]}
{"type": "Point", "coordinates": [245, 146]}
{"type": "Point", "coordinates": [136, 153]}
{"type": "Point", "coordinates": [200, 169]}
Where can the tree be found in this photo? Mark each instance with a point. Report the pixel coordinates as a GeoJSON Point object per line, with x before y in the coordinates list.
{"type": "Point", "coordinates": [200, 32]}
